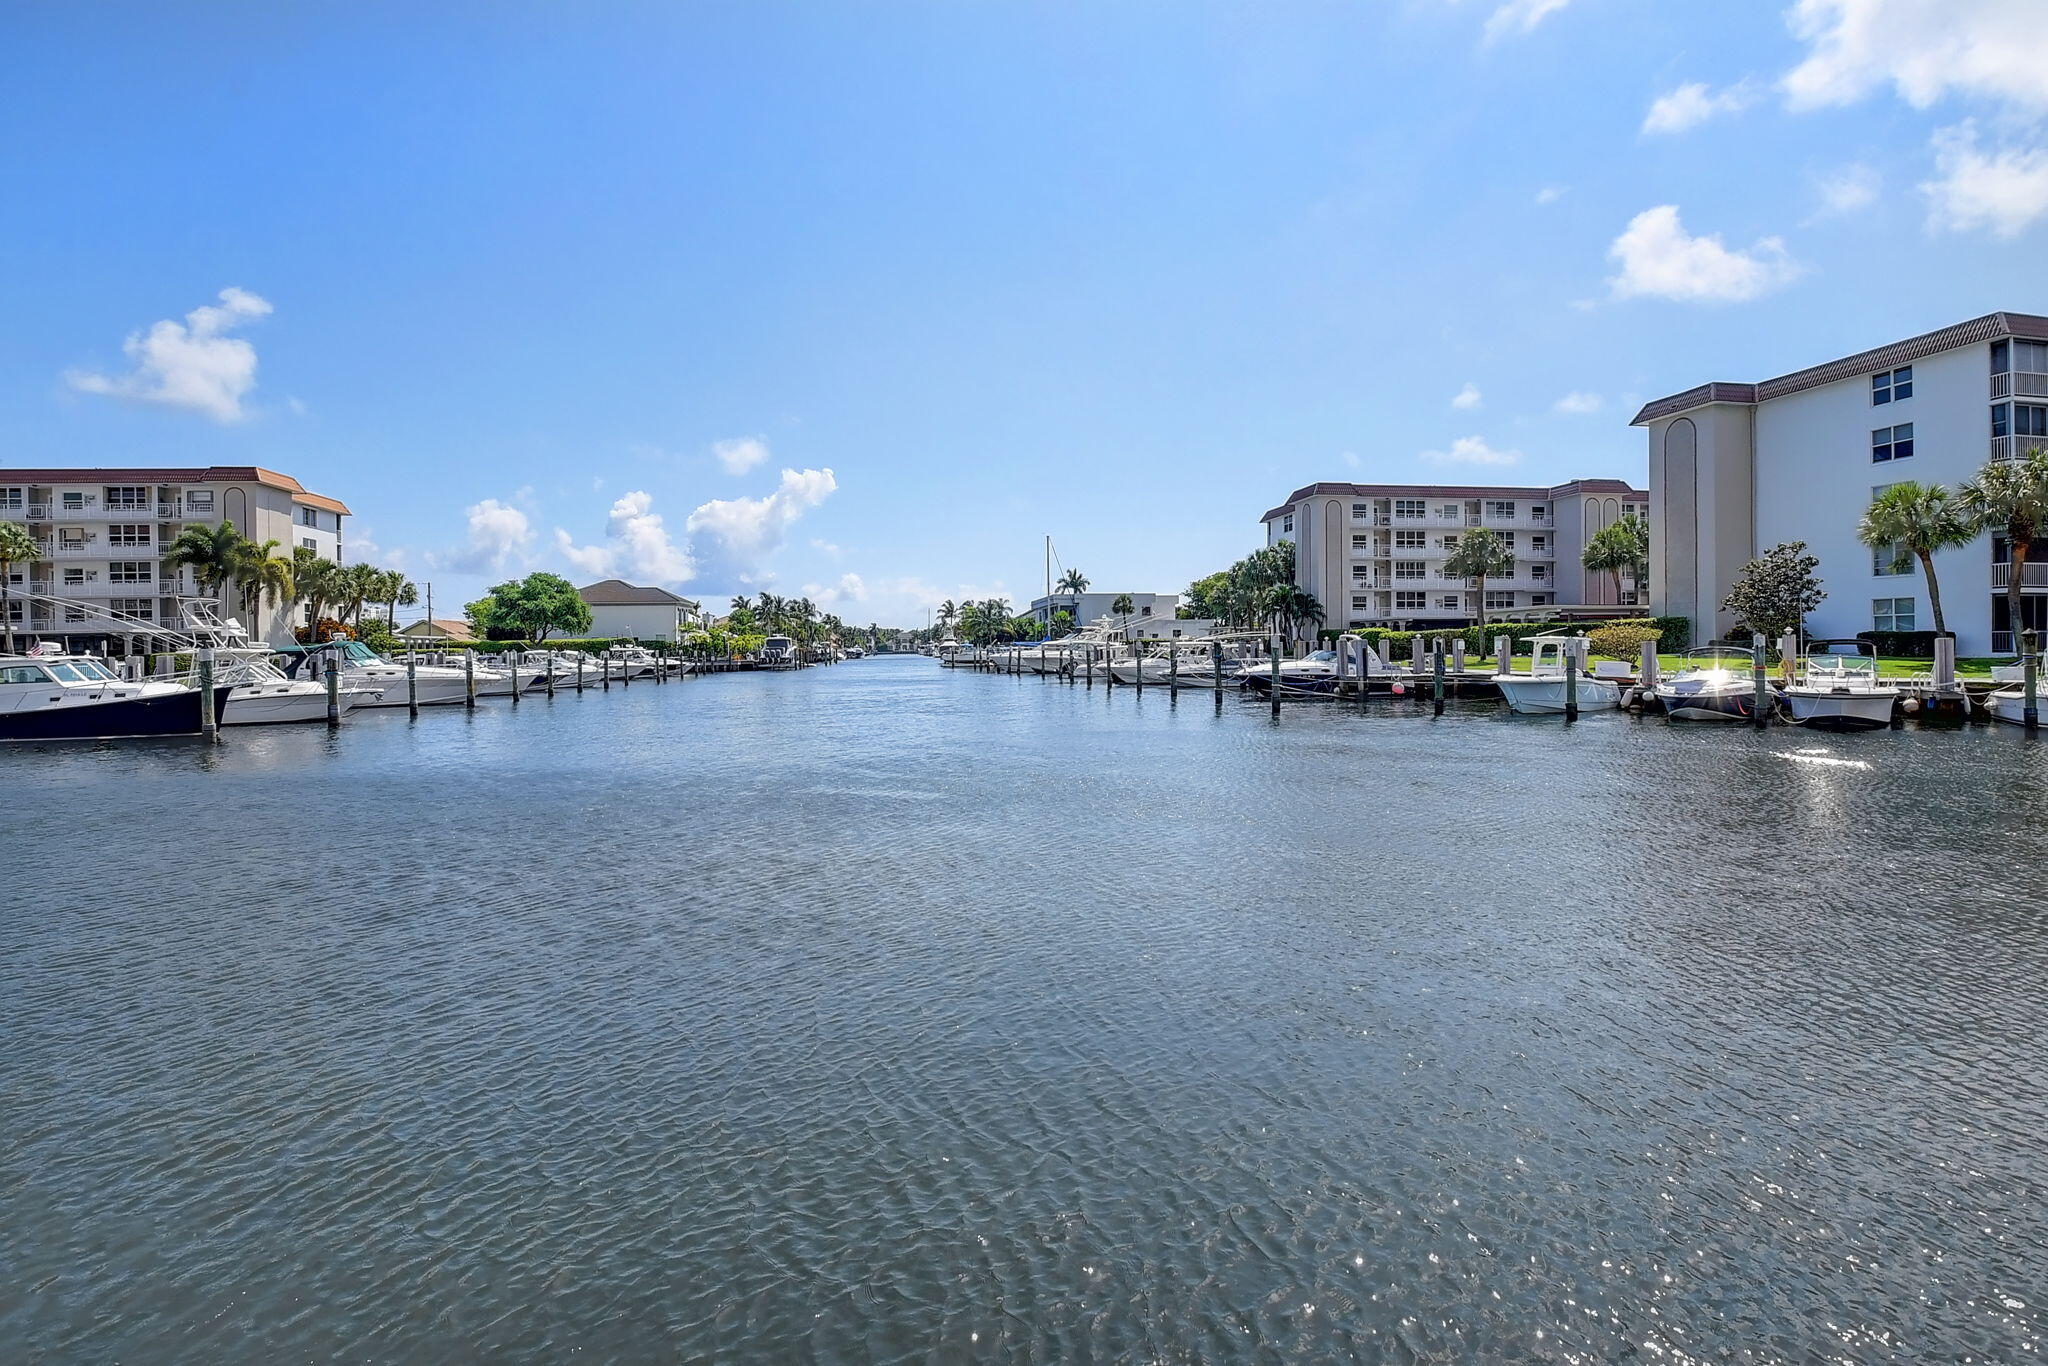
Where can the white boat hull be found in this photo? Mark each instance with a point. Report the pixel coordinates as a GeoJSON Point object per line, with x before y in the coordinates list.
{"type": "Point", "coordinates": [2011, 705]}
{"type": "Point", "coordinates": [271, 704]}
{"type": "Point", "coordinates": [1826, 710]}
{"type": "Point", "coordinates": [1546, 696]}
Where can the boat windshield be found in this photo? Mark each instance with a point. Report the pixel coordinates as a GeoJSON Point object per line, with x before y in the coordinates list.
{"type": "Point", "coordinates": [1321, 657]}
{"type": "Point", "coordinates": [68, 672]}
{"type": "Point", "coordinates": [1842, 666]}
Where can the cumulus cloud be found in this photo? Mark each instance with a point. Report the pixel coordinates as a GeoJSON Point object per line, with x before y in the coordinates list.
{"type": "Point", "coordinates": [1471, 450]}
{"type": "Point", "coordinates": [747, 528]}
{"type": "Point", "coordinates": [194, 364]}
{"type": "Point", "coordinates": [1550, 194]}
{"type": "Point", "coordinates": [1578, 403]}
{"type": "Point", "coordinates": [1692, 104]}
{"type": "Point", "coordinates": [1519, 16]}
{"type": "Point", "coordinates": [499, 533]}
{"type": "Point", "coordinates": [1847, 189]}
{"type": "Point", "coordinates": [1658, 259]}
{"type": "Point", "coordinates": [636, 545]}
{"type": "Point", "coordinates": [850, 591]}
{"type": "Point", "coordinates": [1925, 49]}
{"type": "Point", "coordinates": [740, 453]}
{"type": "Point", "coordinates": [2002, 191]}
{"type": "Point", "coordinates": [1467, 397]}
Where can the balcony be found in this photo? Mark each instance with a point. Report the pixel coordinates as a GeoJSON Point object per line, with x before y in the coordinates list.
{"type": "Point", "coordinates": [2019, 384]}
{"type": "Point", "coordinates": [92, 511]}
{"type": "Point", "coordinates": [2035, 577]}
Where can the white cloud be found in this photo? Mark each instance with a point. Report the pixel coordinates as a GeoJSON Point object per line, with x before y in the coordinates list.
{"type": "Point", "coordinates": [498, 534]}
{"type": "Point", "coordinates": [1467, 397]}
{"type": "Point", "coordinates": [193, 364]}
{"type": "Point", "coordinates": [1847, 189]}
{"type": "Point", "coordinates": [826, 546]}
{"type": "Point", "coordinates": [1925, 49]}
{"type": "Point", "coordinates": [1471, 450]}
{"type": "Point", "coordinates": [1578, 403]}
{"type": "Point", "coordinates": [1692, 104]}
{"type": "Point", "coordinates": [1660, 260]}
{"type": "Point", "coordinates": [1519, 16]}
{"type": "Point", "coordinates": [741, 453]}
{"type": "Point", "coordinates": [748, 528]}
{"type": "Point", "coordinates": [638, 545]}
{"type": "Point", "coordinates": [1550, 194]}
{"type": "Point", "coordinates": [848, 592]}
{"type": "Point", "coordinates": [2002, 191]}
{"type": "Point", "coordinates": [1351, 459]}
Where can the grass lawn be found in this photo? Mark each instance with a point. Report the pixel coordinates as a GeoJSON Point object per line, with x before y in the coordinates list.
{"type": "Point", "coordinates": [1886, 667]}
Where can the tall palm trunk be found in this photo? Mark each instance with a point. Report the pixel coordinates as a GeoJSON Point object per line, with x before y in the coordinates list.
{"type": "Point", "coordinates": [1934, 590]}
{"type": "Point", "coordinates": [2023, 640]}
{"type": "Point", "coordinates": [1617, 585]}
{"type": "Point", "coordinates": [1479, 611]}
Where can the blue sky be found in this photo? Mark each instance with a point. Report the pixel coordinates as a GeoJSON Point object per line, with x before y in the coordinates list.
{"type": "Point", "coordinates": [863, 299]}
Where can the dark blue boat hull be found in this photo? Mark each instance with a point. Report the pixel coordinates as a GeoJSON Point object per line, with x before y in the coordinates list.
{"type": "Point", "coordinates": [130, 718]}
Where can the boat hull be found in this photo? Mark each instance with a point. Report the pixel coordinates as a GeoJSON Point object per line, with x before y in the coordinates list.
{"type": "Point", "coordinates": [271, 704]}
{"type": "Point", "coordinates": [1546, 696]}
{"type": "Point", "coordinates": [1728, 704]}
{"type": "Point", "coordinates": [128, 718]}
{"type": "Point", "coordinates": [1840, 711]}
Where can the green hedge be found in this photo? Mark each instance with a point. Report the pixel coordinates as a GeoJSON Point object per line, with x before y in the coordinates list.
{"type": "Point", "coordinates": [1674, 633]}
{"type": "Point", "coordinates": [1904, 644]}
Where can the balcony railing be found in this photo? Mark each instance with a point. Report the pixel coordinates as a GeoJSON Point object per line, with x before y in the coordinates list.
{"type": "Point", "coordinates": [2036, 576]}
{"type": "Point", "coordinates": [2020, 384]}
{"type": "Point", "coordinates": [93, 511]}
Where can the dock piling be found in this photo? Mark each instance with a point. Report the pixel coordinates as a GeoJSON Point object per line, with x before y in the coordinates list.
{"type": "Point", "coordinates": [333, 698]}
{"type": "Point", "coordinates": [2031, 674]}
{"type": "Point", "coordinates": [1572, 664]}
{"type": "Point", "coordinates": [469, 679]}
{"type": "Point", "coordinates": [1436, 657]}
{"type": "Point", "coordinates": [512, 657]}
{"type": "Point", "coordinates": [412, 684]}
{"type": "Point", "coordinates": [1276, 677]}
{"type": "Point", "coordinates": [1762, 701]}
{"type": "Point", "coordinates": [209, 724]}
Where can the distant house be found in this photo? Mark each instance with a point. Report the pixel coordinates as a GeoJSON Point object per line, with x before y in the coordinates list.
{"type": "Point", "coordinates": [618, 608]}
{"type": "Point", "coordinates": [438, 629]}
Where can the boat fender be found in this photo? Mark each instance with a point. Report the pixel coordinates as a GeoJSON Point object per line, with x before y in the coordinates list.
{"type": "Point", "coordinates": [1912, 705]}
{"type": "Point", "coordinates": [1400, 690]}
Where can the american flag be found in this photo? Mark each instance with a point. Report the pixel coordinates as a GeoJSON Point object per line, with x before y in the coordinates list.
{"type": "Point", "coordinates": [44, 647]}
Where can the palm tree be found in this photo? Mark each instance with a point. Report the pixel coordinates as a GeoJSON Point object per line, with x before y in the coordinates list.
{"type": "Point", "coordinates": [1123, 607]}
{"type": "Point", "coordinates": [1917, 519]}
{"type": "Point", "coordinates": [2010, 498]}
{"type": "Point", "coordinates": [995, 618]}
{"type": "Point", "coordinates": [16, 547]}
{"type": "Point", "coordinates": [1073, 581]}
{"type": "Point", "coordinates": [399, 591]}
{"type": "Point", "coordinates": [1482, 556]}
{"type": "Point", "coordinates": [314, 583]}
{"type": "Point", "coordinates": [743, 604]}
{"type": "Point", "coordinates": [948, 614]}
{"type": "Point", "coordinates": [1625, 544]}
{"type": "Point", "coordinates": [260, 571]}
{"type": "Point", "coordinates": [210, 552]}
{"type": "Point", "coordinates": [354, 585]}
{"type": "Point", "coordinates": [1289, 605]}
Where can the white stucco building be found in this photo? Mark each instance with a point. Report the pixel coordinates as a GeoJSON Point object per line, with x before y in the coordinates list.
{"type": "Point", "coordinates": [1738, 468]}
{"type": "Point", "coordinates": [618, 608]}
{"type": "Point", "coordinates": [1373, 554]}
{"type": "Point", "coordinates": [102, 533]}
{"type": "Point", "coordinates": [1086, 607]}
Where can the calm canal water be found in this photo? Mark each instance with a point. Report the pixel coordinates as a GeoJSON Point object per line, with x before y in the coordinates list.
{"type": "Point", "coordinates": [883, 1013]}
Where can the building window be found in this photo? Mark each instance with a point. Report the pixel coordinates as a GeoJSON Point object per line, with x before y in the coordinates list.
{"type": "Point", "coordinates": [1505, 511]}
{"type": "Point", "coordinates": [1539, 509]}
{"type": "Point", "coordinates": [1887, 385]}
{"type": "Point", "coordinates": [128, 534]}
{"type": "Point", "coordinates": [1450, 602]}
{"type": "Point", "coordinates": [13, 499]}
{"type": "Point", "coordinates": [1361, 543]}
{"type": "Point", "coordinates": [135, 607]}
{"type": "Point", "coordinates": [1891, 443]}
{"type": "Point", "coordinates": [308, 543]}
{"type": "Point", "coordinates": [1410, 602]}
{"type": "Point", "coordinates": [1539, 543]}
{"type": "Point", "coordinates": [1544, 599]}
{"type": "Point", "coordinates": [130, 571]}
{"type": "Point", "coordinates": [1409, 507]}
{"type": "Point", "coordinates": [1539, 572]}
{"type": "Point", "coordinates": [72, 501]}
{"type": "Point", "coordinates": [2028, 357]}
{"type": "Point", "coordinates": [1287, 523]}
{"type": "Point", "coordinates": [1892, 614]}
{"type": "Point", "coordinates": [1410, 569]}
{"type": "Point", "coordinates": [1361, 511]}
{"type": "Point", "coordinates": [1411, 540]}
{"type": "Point", "coordinates": [1506, 538]}
{"type": "Point", "coordinates": [199, 500]}
{"type": "Point", "coordinates": [1359, 604]}
{"type": "Point", "coordinates": [2029, 419]}
{"type": "Point", "coordinates": [1499, 601]}
{"type": "Point", "coordinates": [309, 517]}
{"type": "Point", "coordinates": [74, 577]}
{"type": "Point", "coordinates": [128, 497]}
{"type": "Point", "coordinates": [2001, 420]}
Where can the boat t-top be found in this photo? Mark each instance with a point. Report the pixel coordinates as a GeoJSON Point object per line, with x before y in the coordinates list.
{"type": "Point", "coordinates": [1543, 690]}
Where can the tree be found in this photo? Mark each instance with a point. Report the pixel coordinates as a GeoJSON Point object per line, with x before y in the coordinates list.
{"type": "Point", "coordinates": [261, 572]}
{"type": "Point", "coordinates": [947, 614]}
{"type": "Point", "coordinates": [1062, 622]}
{"type": "Point", "coordinates": [1622, 545]}
{"type": "Point", "coordinates": [1123, 607]}
{"type": "Point", "coordinates": [529, 608]}
{"type": "Point", "coordinates": [16, 547]}
{"type": "Point", "coordinates": [1073, 581]}
{"type": "Point", "coordinates": [399, 591]}
{"type": "Point", "coordinates": [1916, 519]}
{"type": "Point", "coordinates": [1482, 556]}
{"type": "Point", "coordinates": [210, 552]}
{"type": "Point", "coordinates": [354, 584]}
{"type": "Point", "coordinates": [1289, 605]}
{"type": "Point", "coordinates": [1206, 596]}
{"type": "Point", "coordinates": [313, 581]}
{"type": "Point", "coordinates": [1774, 592]}
{"type": "Point", "coordinates": [2009, 498]}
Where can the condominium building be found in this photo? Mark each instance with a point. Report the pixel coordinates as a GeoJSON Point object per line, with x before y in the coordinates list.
{"type": "Point", "coordinates": [1738, 468]}
{"type": "Point", "coordinates": [101, 536]}
{"type": "Point", "coordinates": [1373, 554]}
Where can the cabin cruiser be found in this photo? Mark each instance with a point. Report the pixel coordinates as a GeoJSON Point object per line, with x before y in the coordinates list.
{"type": "Point", "coordinates": [260, 693]}
{"type": "Point", "coordinates": [1189, 663]}
{"type": "Point", "coordinates": [778, 652]}
{"type": "Point", "coordinates": [1542, 690]}
{"type": "Point", "coordinates": [434, 685]}
{"type": "Point", "coordinates": [1711, 691]}
{"type": "Point", "coordinates": [78, 697]}
{"type": "Point", "coordinates": [954, 655]}
{"type": "Point", "coordinates": [1312, 674]}
{"type": "Point", "coordinates": [1840, 691]}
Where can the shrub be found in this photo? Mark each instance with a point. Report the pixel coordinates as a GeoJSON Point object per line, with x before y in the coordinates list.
{"type": "Point", "coordinates": [1623, 639]}
{"type": "Point", "coordinates": [1675, 633]}
{"type": "Point", "coordinates": [1903, 644]}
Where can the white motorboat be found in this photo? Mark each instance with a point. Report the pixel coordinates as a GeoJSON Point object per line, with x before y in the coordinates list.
{"type": "Point", "coordinates": [1313, 674]}
{"type": "Point", "coordinates": [2010, 703]}
{"type": "Point", "coordinates": [778, 652]}
{"type": "Point", "coordinates": [77, 697]}
{"type": "Point", "coordinates": [1542, 690]}
{"type": "Point", "coordinates": [1711, 691]}
{"type": "Point", "coordinates": [1837, 691]}
{"type": "Point", "coordinates": [260, 693]}
{"type": "Point", "coordinates": [955, 655]}
{"type": "Point", "coordinates": [435, 685]}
